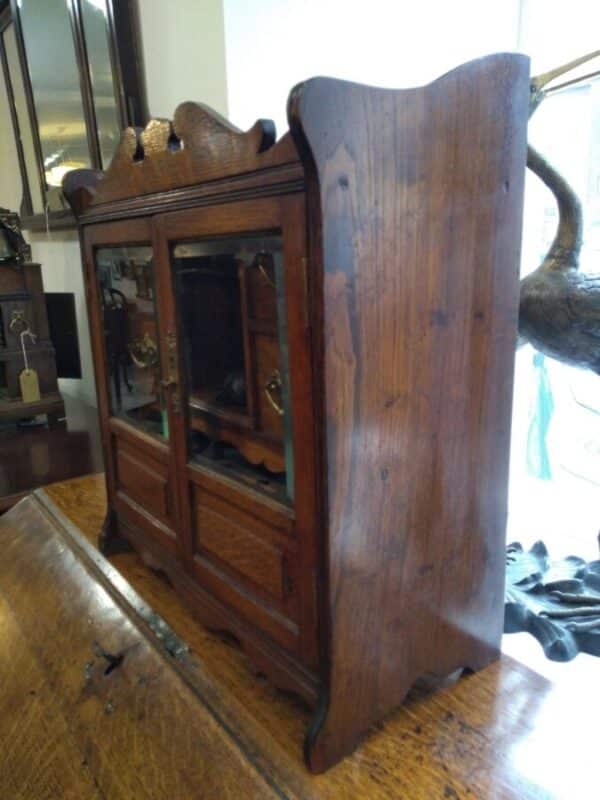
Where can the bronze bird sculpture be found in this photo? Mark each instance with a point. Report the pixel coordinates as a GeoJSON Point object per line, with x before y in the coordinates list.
{"type": "Point", "coordinates": [559, 312]}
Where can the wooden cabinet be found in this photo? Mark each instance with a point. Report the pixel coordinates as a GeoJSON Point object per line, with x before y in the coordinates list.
{"type": "Point", "coordinates": [23, 311]}
{"type": "Point", "coordinates": [304, 355]}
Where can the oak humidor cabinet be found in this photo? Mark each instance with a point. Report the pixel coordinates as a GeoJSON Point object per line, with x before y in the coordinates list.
{"type": "Point", "coordinates": [304, 354]}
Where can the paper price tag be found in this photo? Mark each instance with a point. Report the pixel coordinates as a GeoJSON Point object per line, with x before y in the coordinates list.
{"type": "Point", "coordinates": [30, 386]}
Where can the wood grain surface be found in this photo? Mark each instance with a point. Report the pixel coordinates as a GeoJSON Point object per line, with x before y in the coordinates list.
{"type": "Point", "coordinates": [198, 146]}
{"type": "Point", "coordinates": [419, 194]}
{"type": "Point", "coordinates": [495, 734]}
{"type": "Point", "coordinates": [401, 262]}
{"type": "Point", "coordinates": [121, 726]}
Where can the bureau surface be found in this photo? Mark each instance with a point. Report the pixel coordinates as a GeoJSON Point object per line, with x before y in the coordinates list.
{"type": "Point", "coordinates": [304, 355]}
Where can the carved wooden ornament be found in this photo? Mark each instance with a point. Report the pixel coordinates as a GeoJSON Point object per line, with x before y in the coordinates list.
{"type": "Point", "coordinates": [199, 145]}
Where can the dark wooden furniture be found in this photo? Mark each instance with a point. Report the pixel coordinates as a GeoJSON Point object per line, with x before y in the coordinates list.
{"type": "Point", "coordinates": [38, 456]}
{"type": "Point", "coordinates": [344, 519]}
{"type": "Point", "coordinates": [22, 306]}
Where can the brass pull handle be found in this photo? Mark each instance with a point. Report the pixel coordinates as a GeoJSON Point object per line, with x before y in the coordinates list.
{"type": "Point", "coordinates": [144, 352]}
{"type": "Point", "coordinates": [18, 323]}
{"type": "Point", "coordinates": [274, 384]}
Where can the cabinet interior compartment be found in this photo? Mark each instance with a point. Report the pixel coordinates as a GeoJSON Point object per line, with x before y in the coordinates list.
{"type": "Point", "coordinates": [231, 303]}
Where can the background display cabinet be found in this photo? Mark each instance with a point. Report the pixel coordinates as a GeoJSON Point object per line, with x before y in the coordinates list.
{"type": "Point", "coordinates": [304, 355]}
{"type": "Point", "coordinates": [28, 374]}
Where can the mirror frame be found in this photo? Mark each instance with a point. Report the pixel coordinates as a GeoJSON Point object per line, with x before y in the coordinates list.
{"type": "Point", "coordinates": [125, 49]}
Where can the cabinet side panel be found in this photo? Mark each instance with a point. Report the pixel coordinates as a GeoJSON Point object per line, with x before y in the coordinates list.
{"type": "Point", "coordinates": [421, 204]}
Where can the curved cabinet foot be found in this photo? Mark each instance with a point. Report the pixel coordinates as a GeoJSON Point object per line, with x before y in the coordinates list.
{"type": "Point", "coordinates": [110, 541]}
{"type": "Point", "coordinates": [482, 658]}
{"type": "Point", "coordinates": [316, 756]}
{"type": "Point", "coordinates": [336, 731]}
{"type": "Point", "coordinates": [337, 727]}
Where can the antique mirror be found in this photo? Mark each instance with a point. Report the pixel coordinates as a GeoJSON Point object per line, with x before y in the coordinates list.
{"type": "Point", "coordinates": [74, 80]}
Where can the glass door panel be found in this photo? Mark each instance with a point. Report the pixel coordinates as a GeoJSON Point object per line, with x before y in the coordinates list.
{"type": "Point", "coordinates": [127, 291]}
{"type": "Point", "coordinates": [231, 300]}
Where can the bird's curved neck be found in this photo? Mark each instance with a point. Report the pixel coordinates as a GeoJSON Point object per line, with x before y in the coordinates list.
{"type": "Point", "coordinates": [564, 251]}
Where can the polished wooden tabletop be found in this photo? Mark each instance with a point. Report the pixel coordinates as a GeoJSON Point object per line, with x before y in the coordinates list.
{"type": "Point", "coordinates": [167, 722]}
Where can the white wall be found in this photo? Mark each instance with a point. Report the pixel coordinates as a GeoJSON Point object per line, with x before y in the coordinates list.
{"type": "Point", "coordinates": [273, 44]}
{"type": "Point", "coordinates": [184, 53]}
{"type": "Point", "coordinates": [553, 32]}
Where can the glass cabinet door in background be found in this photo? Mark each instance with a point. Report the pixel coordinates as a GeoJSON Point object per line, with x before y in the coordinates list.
{"type": "Point", "coordinates": [131, 344]}
{"type": "Point", "coordinates": [231, 301]}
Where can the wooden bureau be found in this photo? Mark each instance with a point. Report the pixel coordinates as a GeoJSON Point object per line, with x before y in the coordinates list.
{"type": "Point", "coordinates": [304, 354]}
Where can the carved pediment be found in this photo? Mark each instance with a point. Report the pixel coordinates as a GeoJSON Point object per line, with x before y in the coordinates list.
{"type": "Point", "coordinates": [198, 145]}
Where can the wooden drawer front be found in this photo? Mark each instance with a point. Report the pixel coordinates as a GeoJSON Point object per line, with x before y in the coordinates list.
{"type": "Point", "coordinates": [240, 550]}
{"type": "Point", "coordinates": [252, 543]}
{"type": "Point", "coordinates": [144, 480]}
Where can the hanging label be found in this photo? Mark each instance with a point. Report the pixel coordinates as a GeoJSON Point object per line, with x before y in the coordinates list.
{"type": "Point", "coordinates": [30, 386]}
{"type": "Point", "coordinates": [28, 379]}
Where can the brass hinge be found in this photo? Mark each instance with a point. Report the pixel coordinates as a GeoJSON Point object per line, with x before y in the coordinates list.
{"type": "Point", "coordinates": [172, 381]}
{"type": "Point", "coordinates": [172, 354]}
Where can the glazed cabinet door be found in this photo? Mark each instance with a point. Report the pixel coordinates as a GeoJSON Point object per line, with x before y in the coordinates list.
{"type": "Point", "coordinates": [244, 431]}
{"type": "Point", "coordinates": [133, 361]}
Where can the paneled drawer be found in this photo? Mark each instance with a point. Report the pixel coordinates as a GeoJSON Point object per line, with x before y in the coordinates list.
{"type": "Point", "coordinates": [230, 539]}
{"type": "Point", "coordinates": [245, 550]}
{"type": "Point", "coordinates": [143, 489]}
{"type": "Point", "coordinates": [144, 481]}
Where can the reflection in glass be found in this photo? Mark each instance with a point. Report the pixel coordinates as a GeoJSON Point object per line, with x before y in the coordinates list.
{"type": "Point", "coordinates": [9, 164]}
{"type": "Point", "coordinates": [232, 306]}
{"type": "Point", "coordinates": [95, 29]}
{"type": "Point", "coordinates": [56, 91]}
{"type": "Point", "coordinates": [16, 79]}
{"type": "Point", "coordinates": [126, 285]}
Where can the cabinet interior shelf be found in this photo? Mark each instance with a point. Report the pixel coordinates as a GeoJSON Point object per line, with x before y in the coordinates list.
{"type": "Point", "coordinates": [205, 401]}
